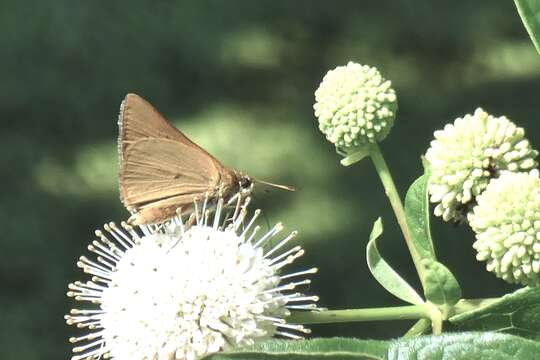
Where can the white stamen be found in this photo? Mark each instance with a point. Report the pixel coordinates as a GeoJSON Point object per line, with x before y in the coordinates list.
{"type": "Point", "coordinates": [281, 243]}
{"type": "Point", "coordinates": [273, 232]}
{"type": "Point", "coordinates": [301, 273]}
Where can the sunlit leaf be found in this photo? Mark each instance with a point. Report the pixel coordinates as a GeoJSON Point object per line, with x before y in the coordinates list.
{"type": "Point", "coordinates": [529, 10]}
{"type": "Point", "coordinates": [440, 286]}
{"type": "Point", "coordinates": [384, 273]}
{"type": "Point", "coordinates": [452, 346]}
{"type": "Point", "coordinates": [417, 214]}
{"type": "Point", "coordinates": [464, 346]}
{"type": "Point", "coordinates": [356, 157]}
{"type": "Point", "coordinates": [516, 313]}
{"type": "Point", "coordinates": [332, 348]}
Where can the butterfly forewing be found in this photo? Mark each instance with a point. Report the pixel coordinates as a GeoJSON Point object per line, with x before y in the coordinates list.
{"type": "Point", "coordinates": [140, 120]}
{"type": "Point", "coordinates": [156, 169]}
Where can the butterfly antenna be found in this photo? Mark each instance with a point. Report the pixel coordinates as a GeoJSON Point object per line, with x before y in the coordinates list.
{"type": "Point", "coordinates": [279, 186]}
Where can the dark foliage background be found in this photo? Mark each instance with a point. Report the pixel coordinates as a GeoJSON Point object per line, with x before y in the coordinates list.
{"type": "Point", "coordinates": [237, 77]}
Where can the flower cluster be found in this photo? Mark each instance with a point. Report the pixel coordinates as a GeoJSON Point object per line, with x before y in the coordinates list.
{"type": "Point", "coordinates": [467, 154]}
{"type": "Point", "coordinates": [185, 289]}
{"type": "Point", "coordinates": [507, 226]}
{"type": "Point", "coordinates": [355, 106]}
{"type": "Point", "coordinates": [482, 169]}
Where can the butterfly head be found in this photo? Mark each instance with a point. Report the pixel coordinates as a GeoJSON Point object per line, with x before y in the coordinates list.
{"type": "Point", "coordinates": [245, 184]}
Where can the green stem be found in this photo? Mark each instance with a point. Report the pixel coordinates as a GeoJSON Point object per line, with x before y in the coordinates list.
{"type": "Point", "coordinates": [426, 313]}
{"type": "Point", "coordinates": [408, 312]}
{"type": "Point", "coordinates": [418, 328]}
{"type": "Point", "coordinates": [436, 318]}
{"type": "Point", "coordinates": [395, 201]}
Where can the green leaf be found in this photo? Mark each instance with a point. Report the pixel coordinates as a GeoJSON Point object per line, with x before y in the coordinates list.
{"type": "Point", "coordinates": [440, 286]}
{"type": "Point", "coordinates": [332, 348]}
{"type": "Point", "coordinates": [529, 10]}
{"type": "Point", "coordinates": [355, 157]}
{"type": "Point", "coordinates": [464, 346]}
{"type": "Point", "coordinates": [417, 215]}
{"type": "Point", "coordinates": [384, 273]}
{"type": "Point", "coordinates": [516, 313]}
{"type": "Point", "coordinates": [450, 346]}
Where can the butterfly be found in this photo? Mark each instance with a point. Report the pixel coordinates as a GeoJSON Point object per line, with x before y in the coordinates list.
{"type": "Point", "coordinates": [161, 170]}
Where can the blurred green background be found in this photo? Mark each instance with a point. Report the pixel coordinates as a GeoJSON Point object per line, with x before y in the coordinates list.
{"type": "Point", "coordinates": [238, 78]}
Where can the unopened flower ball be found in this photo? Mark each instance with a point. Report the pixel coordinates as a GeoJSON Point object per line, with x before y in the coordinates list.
{"type": "Point", "coordinates": [467, 154]}
{"type": "Point", "coordinates": [355, 106]}
{"type": "Point", "coordinates": [507, 226]}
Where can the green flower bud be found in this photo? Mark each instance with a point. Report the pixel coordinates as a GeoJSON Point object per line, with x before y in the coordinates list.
{"type": "Point", "coordinates": [465, 155]}
{"type": "Point", "coordinates": [507, 226]}
{"type": "Point", "coordinates": [355, 106]}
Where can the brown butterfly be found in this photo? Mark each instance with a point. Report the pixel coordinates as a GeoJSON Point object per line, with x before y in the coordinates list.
{"type": "Point", "coordinates": [161, 170]}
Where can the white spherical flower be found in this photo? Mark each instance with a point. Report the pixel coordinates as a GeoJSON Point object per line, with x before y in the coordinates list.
{"type": "Point", "coordinates": [183, 290]}
{"type": "Point", "coordinates": [355, 106]}
{"type": "Point", "coordinates": [507, 226]}
{"type": "Point", "coordinates": [465, 155]}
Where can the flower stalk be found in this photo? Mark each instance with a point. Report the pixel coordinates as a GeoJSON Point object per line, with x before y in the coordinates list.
{"type": "Point", "coordinates": [393, 196]}
{"type": "Point", "coordinates": [419, 328]}
{"type": "Point", "coordinates": [407, 312]}
{"type": "Point", "coordinates": [427, 314]}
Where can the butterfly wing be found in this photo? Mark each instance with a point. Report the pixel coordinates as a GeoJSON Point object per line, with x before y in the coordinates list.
{"type": "Point", "coordinates": [138, 119]}
{"type": "Point", "coordinates": [154, 170]}
{"type": "Point", "coordinates": [161, 210]}
{"type": "Point", "coordinates": [160, 168]}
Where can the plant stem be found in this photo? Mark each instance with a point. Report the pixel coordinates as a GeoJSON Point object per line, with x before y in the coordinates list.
{"type": "Point", "coordinates": [408, 312]}
{"type": "Point", "coordinates": [436, 318]}
{"type": "Point", "coordinates": [395, 201]}
{"type": "Point", "coordinates": [418, 328]}
{"type": "Point", "coordinates": [427, 314]}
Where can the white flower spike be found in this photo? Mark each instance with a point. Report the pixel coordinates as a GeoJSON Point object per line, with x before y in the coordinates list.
{"type": "Point", "coordinates": [183, 290]}
{"type": "Point", "coordinates": [466, 155]}
{"type": "Point", "coordinates": [507, 226]}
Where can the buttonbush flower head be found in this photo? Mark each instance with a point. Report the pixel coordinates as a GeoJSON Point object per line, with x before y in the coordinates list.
{"type": "Point", "coordinates": [355, 106]}
{"type": "Point", "coordinates": [181, 291]}
{"type": "Point", "coordinates": [465, 155]}
{"type": "Point", "coordinates": [507, 226]}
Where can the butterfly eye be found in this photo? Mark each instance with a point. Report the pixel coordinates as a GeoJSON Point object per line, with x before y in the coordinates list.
{"type": "Point", "coordinates": [245, 182]}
